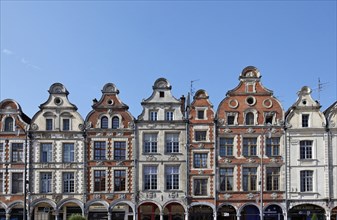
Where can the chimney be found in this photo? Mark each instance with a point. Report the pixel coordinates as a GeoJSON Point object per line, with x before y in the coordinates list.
{"type": "Point", "coordinates": [182, 104]}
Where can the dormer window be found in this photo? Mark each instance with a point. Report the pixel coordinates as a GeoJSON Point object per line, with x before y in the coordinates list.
{"type": "Point", "coordinates": [104, 122]}
{"type": "Point", "coordinates": [49, 124]}
{"type": "Point", "coordinates": [201, 114]}
{"type": "Point", "coordinates": [9, 124]}
{"type": "Point", "coordinates": [115, 122]}
{"type": "Point", "coordinates": [250, 118]}
{"type": "Point", "coordinates": [305, 120]}
{"type": "Point", "coordinates": [66, 124]}
{"type": "Point", "coordinates": [153, 115]}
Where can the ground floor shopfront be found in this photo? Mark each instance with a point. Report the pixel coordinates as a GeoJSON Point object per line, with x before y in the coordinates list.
{"type": "Point", "coordinates": [45, 209]}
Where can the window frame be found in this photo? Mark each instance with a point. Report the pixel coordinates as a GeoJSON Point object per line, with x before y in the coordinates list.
{"type": "Point", "coordinates": [306, 149]}
{"type": "Point", "coordinates": [249, 147]}
{"type": "Point", "coordinates": [169, 116]}
{"type": "Point", "coordinates": [249, 118]}
{"type": "Point", "coordinates": [249, 179]}
{"type": "Point", "coordinates": [99, 151]}
{"type": "Point", "coordinates": [305, 120]}
{"type": "Point", "coordinates": [273, 146]}
{"type": "Point", "coordinates": [172, 143]}
{"type": "Point", "coordinates": [200, 186]}
{"type": "Point", "coordinates": [46, 180]}
{"type": "Point", "coordinates": [104, 122]}
{"type": "Point", "coordinates": [200, 160]}
{"type": "Point", "coordinates": [153, 115]}
{"type": "Point", "coordinates": [68, 156]}
{"type": "Point", "coordinates": [49, 124]}
{"type": "Point", "coordinates": [66, 124]}
{"type": "Point", "coordinates": [200, 135]}
{"type": "Point", "coordinates": [121, 179]}
{"type": "Point", "coordinates": [8, 124]}
{"type": "Point", "coordinates": [68, 182]}
{"type": "Point", "coordinates": [306, 180]}
{"type": "Point", "coordinates": [273, 178]}
{"type": "Point", "coordinates": [150, 174]}
{"type": "Point", "coordinates": [99, 180]}
{"type": "Point", "coordinates": [226, 149]}
{"type": "Point", "coordinates": [121, 150]}
{"type": "Point", "coordinates": [46, 154]}
{"type": "Point", "coordinates": [150, 143]}
{"type": "Point", "coordinates": [115, 122]}
{"type": "Point", "coordinates": [17, 183]}
{"type": "Point", "coordinates": [172, 177]}
{"type": "Point", "coordinates": [17, 152]}
{"type": "Point", "coordinates": [226, 179]}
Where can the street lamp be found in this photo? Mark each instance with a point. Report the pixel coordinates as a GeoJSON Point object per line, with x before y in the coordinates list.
{"type": "Point", "coordinates": [268, 129]}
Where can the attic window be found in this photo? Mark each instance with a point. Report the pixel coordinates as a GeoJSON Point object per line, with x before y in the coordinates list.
{"type": "Point", "coordinates": [57, 101]}
{"type": "Point", "coordinates": [304, 102]}
{"type": "Point", "coordinates": [110, 102]}
{"type": "Point", "coordinates": [161, 94]}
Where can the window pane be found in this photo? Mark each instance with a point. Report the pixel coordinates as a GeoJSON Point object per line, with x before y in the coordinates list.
{"type": "Point", "coordinates": [46, 152]}
{"type": "Point", "coordinates": [119, 150]}
{"type": "Point", "coordinates": [104, 122]}
{"type": "Point", "coordinates": [150, 143]}
{"type": "Point", "coordinates": [17, 152]}
{"type": "Point", "coordinates": [249, 146]}
{"type": "Point", "coordinates": [200, 135]}
{"type": "Point", "coordinates": [99, 179]}
{"type": "Point", "coordinates": [49, 124]}
{"type": "Point", "coordinates": [200, 160]}
{"type": "Point", "coordinates": [249, 179]}
{"type": "Point", "coordinates": [226, 179]}
{"type": "Point", "coordinates": [66, 124]}
{"type": "Point", "coordinates": [9, 124]}
{"type": "Point", "coordinates": [172, 177]}
{"type": "Point", "coordinates": [68, 182]}
{"type": "Point", "coordinates": [46, 181]}
{"type": "Point", "coordinates": [68, 152]}
{"type": "Point", "coordinates": [120, 180]}
{"type": "Point", "coordinates": [17, 183]}
{"type": "Point", "coordinates": [172, 143]}
{"type": "Point", "coordinates": [150, 177]}
{"type": "Point", "coordinates": [200, 187]}
{"type": "Point", "coordinates": [99, 150]}
{"type": "Point", "coordinates": [115, 122]}
{"type": "Point", "coordinates": [226, 147]}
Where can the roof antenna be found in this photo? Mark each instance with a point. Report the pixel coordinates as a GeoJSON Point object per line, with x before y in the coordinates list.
{"type": "Point", "coordinates": [192, 91]}
{"type": "Point", "coordinates": [320, 89]}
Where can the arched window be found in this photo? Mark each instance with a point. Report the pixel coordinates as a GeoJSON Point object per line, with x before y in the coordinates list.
{"type": "Point", "coordinates": [250, 118]}
{"type": "Point", "coordinates": [104, 122]}
{"type": "Point", "coordinates": [9, 124]}
{"type": "Point", "coordinates": [115, 122]}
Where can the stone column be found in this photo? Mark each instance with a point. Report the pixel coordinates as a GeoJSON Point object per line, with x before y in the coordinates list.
{"type": "Point", "coordinates": [109, 215]}
{"type": "Point", "coordinates": [8, 216]}
{"type": "Point", "coordinates": [186, 215]}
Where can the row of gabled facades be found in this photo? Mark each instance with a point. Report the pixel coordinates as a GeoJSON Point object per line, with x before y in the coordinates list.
{"type": "Point", "coordinates": [179, 159]}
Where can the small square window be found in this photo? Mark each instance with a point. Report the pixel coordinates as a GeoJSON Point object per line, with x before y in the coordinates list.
{"type": "Point", "coordinates": [161, 94]}
{"type": "Point", "coordinates": [230, 119]}
{"type": "Point", "coordinates": [201, 114]}
{"type": "Point", "coordinates": [200, 135]}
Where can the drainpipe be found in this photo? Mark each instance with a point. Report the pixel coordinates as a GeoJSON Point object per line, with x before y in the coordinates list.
{"type": "Point", "coordinates": [286, 168]}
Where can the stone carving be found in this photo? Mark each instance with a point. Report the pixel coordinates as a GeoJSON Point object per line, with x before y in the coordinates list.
{"type": "Point", "coordinates": [200, 172]}
{"type": "Point", "coordinates": [151, 195]}
{"type": "Point", "coordinates": [34, 126]}
{"type": "Point", "coordinates": [173, 195]}
{"type": "Point", "coordinates": [273, 195]}
{"type": "Point", "coordinates": [227, 196]}
{"type": "Point", "coordinates": [97, 196]}
{"type": "Point", "coordinates": [201, 145]}
{"type": "Point", "coordinates": [227, 130]}
{"type": "Point", "coordinates": [173, 158]}
{"type": "Point", "coordinates": [110, 196]}
{"type": "Point", "coordinates": [250, 130]}
{"type": "Point", "coordinates": [122, 196]}
{"type": "Point", "coordinates": [151, 158]}
{"type": "Point", "coordinates": [251, 160]}
{"type": "Point", "coordinates": [227, 160]}
{"type": "Point", "coordinates": [250, 196]}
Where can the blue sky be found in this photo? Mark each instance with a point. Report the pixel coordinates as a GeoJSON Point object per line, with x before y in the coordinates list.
{"type": "Point", "coordinates": [86, 44]}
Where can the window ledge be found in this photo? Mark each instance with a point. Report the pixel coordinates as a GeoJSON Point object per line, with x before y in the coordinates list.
{"type": "Point", "coordinates": [307, 160]}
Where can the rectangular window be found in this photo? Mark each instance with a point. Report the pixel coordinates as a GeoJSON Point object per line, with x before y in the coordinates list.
{"type": "Point", "coordinates": [120, 180]}
{"type": "Point", "coordinates": [66, 124]}
{"type": "Point", "coordinates": [172, 143]}
{"type": "Point", "coordinates": [268, 119]}
{"type": "Point", "coordinates": [99, 151]}
{"type": "Point", "coordinates": [46, 181]}
{"type": "Point", "coordinates": [273, 178]}
{"type": "Point", "coordinates": [1, 183]}
{"type": "Point", "coordinates": [49, 124]}
{"type": "Point", "coordinates": [305, 149]}
{"type": "Point", "coordinates": [200, 135]}
{"type": "Point", "coordinates": [68, 152]}
{"type": "Point", "coordinates": [99, 179]}
{"type": "Point", "coordinates": [226, 147]}
{"type": "Point", "coordinates": [200, 160]}
{"type": "Point", "coordinates": [230, 119]}
{"type": "Point", "coordinates": [307, 181]}
{"type": "Point", "coordinates": [150, 143]}
{"type": "Point", "coordinates": [201, 114]}
{"type": "Point", "coordinates": [17, 183]}
{"type": "Point", "coordinates": [150, 177]}
{"type": "Point", "coordinates": [273, 146]}
{"type": "Point", "coordinates": [161, 94]}
{"type": "Point", "coordinates": [2, 152]}
{"type": "Point", "coordinates": [68, 182]}
{"type": "Point", "coordinates": [305, 120]}
{"type": "Point", "coordinates": [46, 152]}
{"type": "Point", "coordinates": [17, 152]}
{"type": "Point", "coordinates": [119, 150]}
{"type": "Point", "coordinates": [169, 116]}
{"type": "Point", "coordinates": [226, 179]}
{"type": "Point", "coordinates": [249, 179]}
{"type": "Point", "coordinates": [200, 187]}
{"type": "Point", "coordinates": [172, 177]}
{"type": "Point", "coordinates": [153, 115]}
{"type": "Point", "coordinates": [249, 147]}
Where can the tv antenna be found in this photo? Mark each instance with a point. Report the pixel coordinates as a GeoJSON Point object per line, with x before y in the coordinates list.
{"type": "Point", "coordinates": [192, 90]}
{"type": "Point", "coordinates": [320, 88]}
